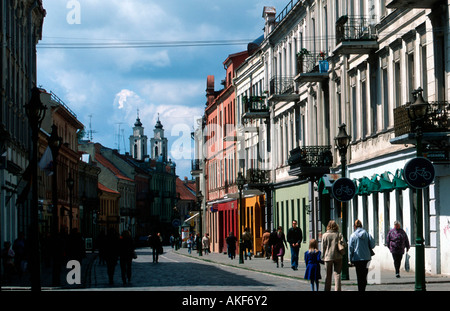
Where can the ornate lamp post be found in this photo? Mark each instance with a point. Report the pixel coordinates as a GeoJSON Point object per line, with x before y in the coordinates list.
{"type": "Point", "coordinates": [70, 183]}
{"type": "Point", "coordinates": [417, 113]}
{"type": "Point", "coordinates": [55, 142]}
{"type": "Point", "coordinates": [199, 202]}
{"type": "Point", "coordinates": [35, 111]}
{"type": "Point", "coordinates": [342, 142]}
{"type": "Point", "coordinates": [240, 181]}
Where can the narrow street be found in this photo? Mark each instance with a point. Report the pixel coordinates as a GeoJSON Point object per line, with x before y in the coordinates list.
{"type": "Point", "coordinates": [177, 272]}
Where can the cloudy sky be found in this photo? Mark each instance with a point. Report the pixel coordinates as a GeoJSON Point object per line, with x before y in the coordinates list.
{"type": "Point", "coordinates": [107, 59]}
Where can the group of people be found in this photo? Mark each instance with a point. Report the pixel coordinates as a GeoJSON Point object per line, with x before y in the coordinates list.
{"type": "Point", "coordinates": [113, 248]}
{"type": "Point", "coordinates": [56, 250]}
{"type": "Point", "coordinates": [201, 244]}
{"type": "Point", "coordinates": [360, 251]}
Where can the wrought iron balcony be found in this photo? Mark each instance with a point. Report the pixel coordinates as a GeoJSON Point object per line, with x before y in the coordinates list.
{"type": "Point", "coordinates": [195, 167]}
{"type": "Point", "coordinates": [438, 119]}
{"type": "Point", "coordinates": [435, 131]}
{"type": "Point", "coordinates": [255, 107]}
{"type": "Point", "coordinates": [311, 67]}
{"type": "Point", "coordinates": [411, 4]}
{"type": "Point", "coordinates": [355, 35]}
{"type": "Point", "coordinates": [310, 161]}
{"type": "Point", "coordinates": [282, 89]}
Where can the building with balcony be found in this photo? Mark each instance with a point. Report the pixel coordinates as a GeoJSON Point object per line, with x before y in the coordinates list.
{"type": "Point", "coordinates": [221, 214]}
{"type": "Point", "coordinates": [20, 31]}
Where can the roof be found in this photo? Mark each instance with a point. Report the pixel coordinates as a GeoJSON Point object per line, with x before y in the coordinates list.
{"type": "Point", "coordinates": [103, 161]}
{"type": "Point", "coordinates": [184, 191]}
{"type": "Point", "coordinates": [106, 189]}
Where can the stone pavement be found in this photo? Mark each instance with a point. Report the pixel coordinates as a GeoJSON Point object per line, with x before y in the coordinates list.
{"type": "Point", "coordinates": [376, 276]}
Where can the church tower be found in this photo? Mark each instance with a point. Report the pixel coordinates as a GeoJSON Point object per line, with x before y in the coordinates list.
{"type": "Point", "coordinates": [138, 141]}
{"type": "Point", "coordinates": [158, 143]}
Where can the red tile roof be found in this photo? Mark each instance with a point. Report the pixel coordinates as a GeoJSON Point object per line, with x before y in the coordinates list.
{"type": "Point", "coordinates": [106, 189]}
{"type": "Point", "coordinates": [185, 193]}
{"type": "Point", "coordinates": [103, 161]}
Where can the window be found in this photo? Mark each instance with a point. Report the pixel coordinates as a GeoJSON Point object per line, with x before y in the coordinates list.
{"type": "Point", "coordinates": [397, 84]}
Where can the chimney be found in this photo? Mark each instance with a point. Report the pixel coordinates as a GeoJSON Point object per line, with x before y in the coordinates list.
{"type": "Point", "coordinates": [269, 13]}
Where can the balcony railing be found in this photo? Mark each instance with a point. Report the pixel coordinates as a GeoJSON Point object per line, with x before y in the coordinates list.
{"type": "Point", "coordinates": [195, 165]}
{"type": "Point", "coordinates": [311, 67]}
{"type": "Point", "coordinates": [257, 176]}
{"type": "Point", "coordinates": [310, 161]}
{"type": "Point", "coordinates": [281, 85]}
{"type": "Point", "coordinates": [355, 28]}
{"type": "Point", "coordinates": [356, 35]}
{"type": "Point", "coordinates": [255, 107]}
{"type": "Point", "coordinates": [438, 119]}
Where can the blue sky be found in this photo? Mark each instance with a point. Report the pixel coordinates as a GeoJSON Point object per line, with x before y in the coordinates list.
{"type": "Point", "coordinates": [106, 86]}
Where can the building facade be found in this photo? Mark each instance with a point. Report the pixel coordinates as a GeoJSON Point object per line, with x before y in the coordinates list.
{"type": "Point", "coordinates": [20, 31]}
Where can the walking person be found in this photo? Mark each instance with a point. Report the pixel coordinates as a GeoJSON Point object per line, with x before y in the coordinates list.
{"type": "Point", "coordinates": [231, 245]}
{"type": "Point", "coordinates": [205, 243]}
{"type": "Point", "coordinates": [294, 238]}
{"type": "Point", "coordinates": [8, 261]}
{"type": "Point", "coordinates": [156, 245]}
{"type": "Point", "coordinates": [20, 254]}
{"type": "Point", "coordinates": [360, 245]}
{"type": "Point", "coordinates": [189, 244]}
{"type": "Point", "coordinates": [247, 238]}
{"type": "Point", "coordinates": [111, 253]}
{"type": "Point", "coordinates": [331, 255]}
{"type": "Point", "coordinates": [126, 255]}
{"type": "Point", "coordinates": [397, 241]}
{"type": "Point", "coordinates": [313, 260]}
{"type": "Point", "coordinates": [265, 244]}
{"type": "Point", "coordinates": [279, 247]}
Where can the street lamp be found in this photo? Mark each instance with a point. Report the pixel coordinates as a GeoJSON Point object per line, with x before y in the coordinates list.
{"type": "Point", "coordinates": [70, 183]}
{"type": "Point", "coordinates": [342, 142]}
{"type": "Point", "coordinates": [240, 181]}
{"type": "Point", "coordinates": [417, 113]}
{"type": "Point", "coordinates": [54, 143]}
{"type": "Point", "coordinates": [199, 202]}
{"type": "Point", "coordinates": [35, 111]}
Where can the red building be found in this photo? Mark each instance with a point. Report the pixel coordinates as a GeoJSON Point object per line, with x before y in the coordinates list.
{"type": "Point", "coordinates": [221, 215]}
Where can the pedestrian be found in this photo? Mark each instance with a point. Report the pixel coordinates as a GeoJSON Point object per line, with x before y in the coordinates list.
{"type": "Point", "coordinates": [360, 245]}
{"type": "Point", "coordinates": [265, 244]}
{"type": "Point", "coordinates": [198, 243]}
{"type": "Point", "coordinates": [397, 241]}
{"type": "Point", "coordinates": [313, 260]}
{"type": "Point", "coordinates": [101, 246]}
{"type": "Point", "coordinates": [171, 240]}
{"type": "Point", "coordinates": [156, 244]}
{"type": "Point", "coordinates": [111, 253]}
{"type": "Point", "coordinates": [205, 243]}
{"type": "Point", "coordinates": [8, 261]}
{"type": "Point", "coordinates": [18, 247]}
{"type": "Point", "coordinates": [294, 238]}
{"type": "Point", "coordinates": [247, 239]}
{"type": "Point", "coordinates": [189, 244]}
{"type": "Point", "coordinates": [279, 247]}
{"type": "Point", "coordinates": [272, 242]}
{"type": "Point", "coordinates": [231, 245]}
{"type": "Point", "coordinates": [331, 255]}
{"type": "Point", "coordinates": [161, 239]}
{"type": "Point", "coordinates": [126, 255]}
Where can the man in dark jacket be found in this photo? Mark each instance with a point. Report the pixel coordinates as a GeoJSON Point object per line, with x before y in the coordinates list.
{"type": "Point", "coordinates": [294, 238]}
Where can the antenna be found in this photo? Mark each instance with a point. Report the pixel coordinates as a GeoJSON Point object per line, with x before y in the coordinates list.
{"type": "Point", "coordinates": [90, 132]}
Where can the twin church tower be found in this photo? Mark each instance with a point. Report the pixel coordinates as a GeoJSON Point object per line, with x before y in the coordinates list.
{"type": "Point", "coordinates": [138, 142]}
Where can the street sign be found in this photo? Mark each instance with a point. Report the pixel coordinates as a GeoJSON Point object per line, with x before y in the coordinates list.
{"type": "Point", "coordinates": [176, 222]}
{"type": "Point", "coordinates": [343, 189]}
{"type": "Point", "coordinates": [419, 172]}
